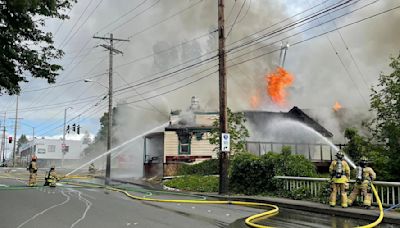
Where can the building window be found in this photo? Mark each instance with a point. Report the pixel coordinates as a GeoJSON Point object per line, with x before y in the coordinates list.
{"type": "Point", "coordinates": [199, 135]}
{"type": "Point", "coordinates": [51, 148]}
{"type": "Point", "coordinates": [184, 138]}
{"type": "Point", "coordinates": [184, 149]}
{"type": "Point", "coordinates": [41, 151]}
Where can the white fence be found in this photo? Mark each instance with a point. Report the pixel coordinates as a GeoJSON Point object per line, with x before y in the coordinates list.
{"type": "Point", "coordinates": [389, 192]}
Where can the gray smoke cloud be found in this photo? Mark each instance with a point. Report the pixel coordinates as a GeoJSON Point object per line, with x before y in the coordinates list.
{"type": "Point", "coordinates": [320, 78]}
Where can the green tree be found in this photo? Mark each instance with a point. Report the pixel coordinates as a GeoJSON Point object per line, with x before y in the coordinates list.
{"type": "Point", "coordinates": [385, 127]}
{"type": "Point", "coordinates": [22, 140]}
{"type": "Point", "coordinates": [356, 146]}
{"type": "Point", "coordinates": [100, 141]}
{"type": "Point", "coordinates": [236, 129]}
{"type": "Point", "coordinates": [24, 46]}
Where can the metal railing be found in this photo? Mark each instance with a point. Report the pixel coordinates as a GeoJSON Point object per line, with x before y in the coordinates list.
{"type": "Point", "coordinates": [389, 192]}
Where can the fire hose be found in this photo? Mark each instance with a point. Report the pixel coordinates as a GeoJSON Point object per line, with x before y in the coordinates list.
{"type": "Point", "coordinates": [250, 221]}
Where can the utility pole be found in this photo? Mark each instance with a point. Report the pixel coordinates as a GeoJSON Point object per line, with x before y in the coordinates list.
{"type": "Point", "coordinates": [63, 146]}
{"type": "Point", "coordinates": [15, 131]}
{"type": "Point", "coordinates": [112, 50]}
{"type": "Point", "coordinates": [223, 155]}
{"type": "Point", "coordinates": [3, 139]}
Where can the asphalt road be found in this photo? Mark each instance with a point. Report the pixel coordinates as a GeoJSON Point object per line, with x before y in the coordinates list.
{"type": "Point", "coordinates": [69, 206]}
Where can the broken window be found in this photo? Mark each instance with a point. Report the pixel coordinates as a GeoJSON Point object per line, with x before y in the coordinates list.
{"type": "Point", "coordinates": [184, 137]}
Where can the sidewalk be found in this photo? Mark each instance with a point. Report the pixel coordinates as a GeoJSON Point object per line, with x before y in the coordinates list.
{"type": "Point", "coordinates": [351, 212]}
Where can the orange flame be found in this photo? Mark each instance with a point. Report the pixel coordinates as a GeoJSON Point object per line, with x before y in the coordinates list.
{"type": "Point", "coordinates": [277, 83]}
{"type": "Point", "coordinates": [255, 100]}
{"type": "Point", "coordinates": [337, 106]}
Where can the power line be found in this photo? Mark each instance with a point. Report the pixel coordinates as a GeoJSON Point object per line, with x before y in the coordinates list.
{"type": "Point", "coordinates": [64, 84]}
{"type": "Point", "coordinates": [165, 19]}
{"type": "Point", "coordinates": [135, 16]}
{"type": "Point", "coordinates": [237, 16]}
{"type": "Point", "coordinates": [122, 16]}
{"type": "Point", "coordinates": [270, 52]}
{"type": "Point", "coordinates": [76, 22]}
{"type": "Point", "coordinates": [322, 34]}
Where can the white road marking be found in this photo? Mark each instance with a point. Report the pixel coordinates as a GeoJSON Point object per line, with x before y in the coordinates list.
{"type": "Point", "coordinates": [88, 206]}
{"type": "Point", "coordinates": [45, 210]}
{"type": "Point", "coordinates": [4, 185]}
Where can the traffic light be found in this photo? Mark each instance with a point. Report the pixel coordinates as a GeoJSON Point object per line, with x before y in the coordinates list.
{"type": "Point", "coordinates": [78, 129]}
{"type": "Point", "coordinates": [67, 129]}
{"type": "Point", "coordinates": [10, 139]}
{"type": "Point", "coordinates": [73, 127]}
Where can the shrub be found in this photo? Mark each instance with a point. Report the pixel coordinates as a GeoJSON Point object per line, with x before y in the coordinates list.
{"type": "Point", "coordinates": [254, 175]}
{"type": "Point", "coordinates": [249, 174]}
{"type": "Point", "coordinates": [194, 183]}
{"type": "Point", "coordinates": [208, 167]}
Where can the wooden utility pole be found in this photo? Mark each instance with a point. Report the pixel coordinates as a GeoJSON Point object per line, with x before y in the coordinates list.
{"type": "Point", "coordinates": [15, 131]}
{"type": "Point", "coordinates": [3, 139]}
{"type": "Point", "coordinates": [112, 50]}
{"type": "Point", "coordinates": [223, 155]}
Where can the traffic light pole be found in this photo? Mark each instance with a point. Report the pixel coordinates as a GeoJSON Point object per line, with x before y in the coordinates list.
{"type": "Point", "coordinates": [63, 139]}
{"type": "Point", "coordinates": [223, 155]}
{"type": "Point", "coordinates": [112, 50]}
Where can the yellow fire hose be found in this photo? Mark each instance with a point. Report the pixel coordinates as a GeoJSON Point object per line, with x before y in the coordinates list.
{"type": "Point", "coordinates": [250, 221]}
{"type": "Point", "coordinates": [378, 200]}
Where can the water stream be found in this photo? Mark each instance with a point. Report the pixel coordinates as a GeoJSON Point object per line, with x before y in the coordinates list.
{"type": "Point", "coordinates": [290, 126]}
{"type": "Point", "coordinates": [117, 148]}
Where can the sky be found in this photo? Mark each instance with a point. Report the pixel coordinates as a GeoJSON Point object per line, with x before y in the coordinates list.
{"type": "Point", "coordinates": [341, 65]}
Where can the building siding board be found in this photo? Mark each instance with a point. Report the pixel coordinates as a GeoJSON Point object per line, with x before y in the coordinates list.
{"type": "Point", "coordinates": [170, 144]}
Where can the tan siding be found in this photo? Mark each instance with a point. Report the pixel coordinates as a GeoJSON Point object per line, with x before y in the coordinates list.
{"type": "Point", "coordinates": [202, 148]}
{"type": "Point", "coordinates": [170, 144]}
{"type": "Point", "coordinates": [205, 120]}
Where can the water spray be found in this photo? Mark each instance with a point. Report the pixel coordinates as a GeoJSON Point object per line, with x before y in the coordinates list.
{"type": "Point", "coordinates": [319, 135]}
{"type": "Point", "coordinates": [116, 148]}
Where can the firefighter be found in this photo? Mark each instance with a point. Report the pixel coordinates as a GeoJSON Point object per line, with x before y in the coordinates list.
{"type": "Point", "coordinates": [92, 169]}
{"type": "Point", "coordinates": [364, 177]}
{"type": "Point", "coordinates": [51, 178]}
{"type": "Point", "coordinates": [340, 173]}
{"type": "Point", "coordinates": [32, 168]}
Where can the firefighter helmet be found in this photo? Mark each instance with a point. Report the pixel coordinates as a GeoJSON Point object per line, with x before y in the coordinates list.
{"type": "Point", "coordinates": [340, 154]}
{"type": "Point", "coordinates": [52, 167]}
{"type": "Point", "coordinates": [363, 161]}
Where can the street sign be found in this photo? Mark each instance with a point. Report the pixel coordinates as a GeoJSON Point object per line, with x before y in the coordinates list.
{"type": "Point", "coordinates": [64, 148]}
{"type": "Point", "coordinates": [225, 142]}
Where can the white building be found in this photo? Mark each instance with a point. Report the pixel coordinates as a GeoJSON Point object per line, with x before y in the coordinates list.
{"type": "Point", "coordinates": [49, 151]}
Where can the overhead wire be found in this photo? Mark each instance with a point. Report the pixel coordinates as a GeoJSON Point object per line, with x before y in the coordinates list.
{"type": "Point", "coordinates": [234, 21]}
{"type": "Point", "coordinates": [135, 16]}
{"type": "Point", "coordinates": [347, 25]}
{"type": "Point", "coordinates": [75, 24]}
{"type": "Point", "coordinates": [122, 16]}
{"type": "Point", "coordinates": [165, 19]}
{"type": "Point", "coordinates": [294, 44]}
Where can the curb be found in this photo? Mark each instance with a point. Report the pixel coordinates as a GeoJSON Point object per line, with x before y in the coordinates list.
{"type": "Point", "coordinates": [356, 213]}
